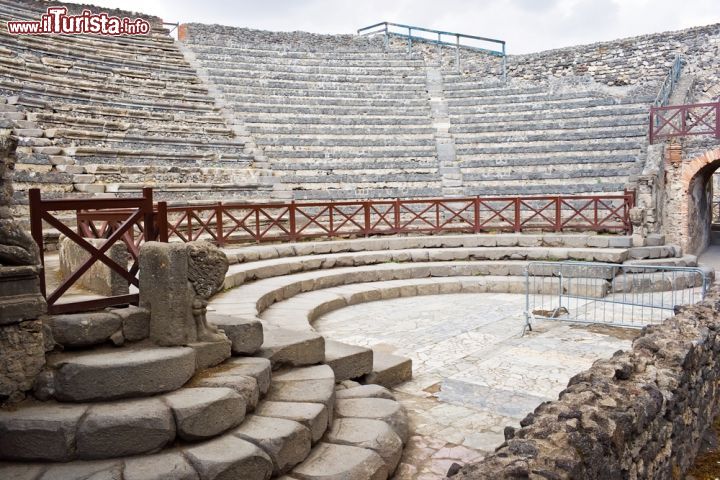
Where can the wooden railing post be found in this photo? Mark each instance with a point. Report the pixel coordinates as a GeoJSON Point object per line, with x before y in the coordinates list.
{"type": "Point", "coordinates": [717, 120]}
{"type": "Point", "coordinates": [476, 213]}
{"type": "Point", "coordinates": [148, 224]}
{"type": "Point", "coordinates": [219, 231]}
{"type": "Point", "coordinates": [36, 213]}
{"type": "Point", "coordinates": [397, 216]}
{"type": "Point", "coordinates": [558, 214]}
{"type": "Point", "coordinates": [517, 215]}
{"type": "Point", "coordinates": [292, 211]}
{"type": "Point", "coordinates": [366, 214]}
{"type": "Point", "coordinates": [162, 222]}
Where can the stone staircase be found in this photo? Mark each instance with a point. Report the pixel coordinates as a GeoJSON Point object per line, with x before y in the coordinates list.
{"type": "Point", "coordinates": [115, 114]}
{"type": "Point", "coordinates": [110, 404]}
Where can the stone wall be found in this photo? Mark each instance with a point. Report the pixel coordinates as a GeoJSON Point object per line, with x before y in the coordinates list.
{"type": "Point", "coordinates": [640, 414]}
{"type": "Point", "coordinates": [626, 61]}
{"type": "Point", "coordinates": [225, 35]}
{"type": "Point", "coordinates": [22, 340]}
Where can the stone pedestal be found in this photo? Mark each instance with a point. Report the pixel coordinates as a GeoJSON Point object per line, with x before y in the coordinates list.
{"type": "Point", "coordinates": [176, 281]}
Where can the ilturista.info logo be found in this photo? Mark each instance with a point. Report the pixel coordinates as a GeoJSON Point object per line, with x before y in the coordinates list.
{"type": "Point", "coordinates": [57, 21]}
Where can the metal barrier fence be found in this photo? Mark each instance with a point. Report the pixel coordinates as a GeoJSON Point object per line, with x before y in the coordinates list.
{"type": "Point", "coordinates": [685, 120]}
{"type": "Point", "coordinates": [389, 29]}
{"type": "Point", "coordinates": [227, 223]}
{"type": "Point", "coordinates": [611, 294]}
{"type": "Point", "coordinates": [668, 84]}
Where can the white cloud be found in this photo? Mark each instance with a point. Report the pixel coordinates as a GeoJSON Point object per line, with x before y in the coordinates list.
{"type": "Point", "coordinates": [526, 25]}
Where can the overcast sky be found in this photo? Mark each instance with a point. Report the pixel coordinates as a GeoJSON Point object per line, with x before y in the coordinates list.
{"type": "Point", "coordinates": [526, 25]}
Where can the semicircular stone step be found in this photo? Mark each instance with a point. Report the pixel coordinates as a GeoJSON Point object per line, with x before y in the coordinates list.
{"type": "Point", "coordinates": [285, 441]}
{"type": "Point", "coordinates": [305, 385]}
{"type": "Point", "coordinates": [388, 411]}
{"type": "Point", "coordinates": [330, 461]}
{"type": "Point", "coordinates": [246, 335]}
{"type": "Point", "coordinates": [313, 415]}
{"type": "Point", "coordinates": [292, 347]}
{"type": "Point", "coordinates": [52, 431]}
{"type": "Point", "coordinates": [225, 457]}
{"type": "Point", "coordinates": [120, 373]}
{"type": "Point", "coordinates": [368, 433]}
{"type": "Point", "coordinates": [248, 376]}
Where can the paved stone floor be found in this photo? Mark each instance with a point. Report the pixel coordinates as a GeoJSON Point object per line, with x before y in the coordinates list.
{"type": "Point", "coordinates": [473, 372]}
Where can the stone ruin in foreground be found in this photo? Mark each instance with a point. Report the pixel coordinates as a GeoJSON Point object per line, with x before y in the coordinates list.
{"type": "Point", "coordinates": [186, 384]}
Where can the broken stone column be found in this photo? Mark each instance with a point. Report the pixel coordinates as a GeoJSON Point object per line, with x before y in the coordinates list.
{"type": "Point", "coordinates": [22, 340]}
{"type": "Point", "coordinates": [176, 281]}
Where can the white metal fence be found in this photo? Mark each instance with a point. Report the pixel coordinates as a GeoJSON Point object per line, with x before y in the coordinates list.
{"type": "Point", "coordinates": [613, 294]}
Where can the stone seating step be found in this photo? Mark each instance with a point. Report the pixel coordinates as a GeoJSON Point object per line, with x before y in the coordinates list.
{"type": "Point", "coordinates": [468, 164]}
{"type": "Point", "coordinates": [362, 445]}
{"type": "Point", "coordinates": [82, 330]}
{"type": "Point", "coordinates": [362, 143]}
{"type": "Point", "coordinates": [228, 89]}
{"type": "Point", "coordinates": [348, 361]}
{"type": "Point", "coordinates": [333, 461]}
{"type": "Point", "coordinates": [252, 267]}
{"type": "Point", "coordinates": [461, 117]}
{"type": "Point", "coordinates": [549, 146]}
{"type": "Point", "coordinates": [286, 442]}
{"type": "Point", "coordinates": [380, 243]}
{"type": "Point", "coordinates": [246, 335]}
{"type": "Point", "coordinates": [321, 100]}
{"type": "Point", "coordinates": [523, 188]}
{"type": "Point", "coordinates": [106, 374]}
{"type": "Point", "coordinates": [359, 110]}
{"type": "Point", "coordinates": [365, 193]}
{"type": "Point", "coordinates": [314, 384]}
{"type": "Point", "coordinates": [314, 85]}
{"type": "Point", "coordinates": [387, 411]}
{"type": "Point", "coordinates": [313, 416]}
{"type": "Point", "coordinates": [545, 135]}
{"type": "Point", "coordinates": [388, 370]}
{"type": "Point", "coordinates": [290, 347]}
{"type": "Point", "coordinates": [570, 124]}
{"type": "Point", "coordinates": [371, 434]}
{"type": "Point", "coordinates": [56, 432]}
{"type": "Point", "coordinates": [578, 174]}
{"type": "Point", "coordinates": [334, 120]}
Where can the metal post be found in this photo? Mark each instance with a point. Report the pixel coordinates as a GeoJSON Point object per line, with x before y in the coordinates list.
{"type": "Point", "coordinates": [457, 52]}
{"type": "Point", "coordinates": [439, 50]}
{"type": "Point", "coordinates": [504, 64]}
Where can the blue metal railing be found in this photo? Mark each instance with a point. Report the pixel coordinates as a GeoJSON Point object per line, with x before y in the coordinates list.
{"type": "Point", "coordinates": [406, 31]}
{"type": "Point", "coordinates": [669, 83]}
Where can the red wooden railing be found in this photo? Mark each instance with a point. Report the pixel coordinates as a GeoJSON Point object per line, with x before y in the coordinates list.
{"type": "Point", "coordinates": [227, 223]}
{"type": "Point", "coordinates": [130, 213]}
{"type": "Point", "coordinates": [683, 120]}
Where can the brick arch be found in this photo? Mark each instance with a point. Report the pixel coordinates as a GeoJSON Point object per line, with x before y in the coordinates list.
{"type": "Point", "coordinates": [693, 167]}
{"type": "Point", "coordinates": [681, 224]}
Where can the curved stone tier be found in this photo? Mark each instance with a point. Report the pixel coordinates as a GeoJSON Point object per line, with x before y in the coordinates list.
{"type": "Point", "coordinates": [364, 442]}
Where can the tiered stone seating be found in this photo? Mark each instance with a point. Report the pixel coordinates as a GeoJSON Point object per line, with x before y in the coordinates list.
{"type": "Point", "coordinates": [287, 286]}
{"type": "Point", "coordinates": [349, 121]}
{"type": "Point", "coordinates": [525, 139]}
{"type": "Point", "coordinates": [114, 114]}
